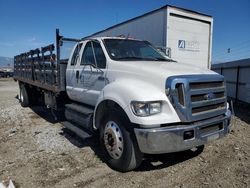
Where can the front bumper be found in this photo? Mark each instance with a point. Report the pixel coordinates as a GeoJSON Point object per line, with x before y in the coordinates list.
{"type": "Point", "coordinates": [182, 137]}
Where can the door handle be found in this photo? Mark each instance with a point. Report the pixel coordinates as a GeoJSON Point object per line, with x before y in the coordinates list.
{"type": "Point", "coordinates": [101, 78]}
{"type": "Point", "coordinates": [77, 75]}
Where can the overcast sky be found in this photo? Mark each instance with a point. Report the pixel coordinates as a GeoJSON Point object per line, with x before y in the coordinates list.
{"type": "Point", "coordinates": [27, 24]}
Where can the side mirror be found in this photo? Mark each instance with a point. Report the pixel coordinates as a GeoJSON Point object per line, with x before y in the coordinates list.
{"type": "Point", "coordinates": [165, 51]}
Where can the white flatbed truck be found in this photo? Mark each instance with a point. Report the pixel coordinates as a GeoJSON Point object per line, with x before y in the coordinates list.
{"type": "Point", "coordinates": [137, 100]}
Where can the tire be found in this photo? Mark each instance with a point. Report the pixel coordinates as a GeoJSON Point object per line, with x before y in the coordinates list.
{"type": "Point", "coordinates": [24, 97]}
{"type": "Point", "coordinates": [125, 155]}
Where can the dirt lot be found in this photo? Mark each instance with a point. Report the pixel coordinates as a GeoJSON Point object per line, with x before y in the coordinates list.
{"type": "Point", "coordinates": [35, 151]}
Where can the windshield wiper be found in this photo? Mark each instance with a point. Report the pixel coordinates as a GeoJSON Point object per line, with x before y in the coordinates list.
{"type": "Point", "coordinates": [167, 59]}
{"type": "Point", "coordinates": [133, 57]}
{"type": "Point", "coordinates": [144, 58]}
{"type": "Point", "coordinates": [160, 59]}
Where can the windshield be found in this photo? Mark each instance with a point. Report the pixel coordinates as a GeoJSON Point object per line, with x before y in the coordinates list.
{"type": "Point", "coordinates": [130, 50]}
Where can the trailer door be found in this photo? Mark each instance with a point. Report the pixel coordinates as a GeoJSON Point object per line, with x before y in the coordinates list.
{"type": "Point", "coordinates": [189, 40]}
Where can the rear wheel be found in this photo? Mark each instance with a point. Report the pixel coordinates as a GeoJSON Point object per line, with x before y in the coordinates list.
{"type": "Point", "coordinates": [24, 98]}
{"type": "Point", "coordinates": [119, 144]}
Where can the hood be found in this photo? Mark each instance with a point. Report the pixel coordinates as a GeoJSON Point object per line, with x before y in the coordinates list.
{"type": "Point", "coordinates": [154, 72]}
{"type": "Point", "coordinates": [162, 68]}
{"type": "Point", "coordinates": [173, 68]}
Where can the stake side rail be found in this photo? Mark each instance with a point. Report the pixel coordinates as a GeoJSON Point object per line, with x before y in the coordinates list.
{"type": "Point", "coordinates": [43, 67]}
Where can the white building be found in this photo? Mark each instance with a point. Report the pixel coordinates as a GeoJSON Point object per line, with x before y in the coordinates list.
{"type": "Point", "coordinates": [237, 76]}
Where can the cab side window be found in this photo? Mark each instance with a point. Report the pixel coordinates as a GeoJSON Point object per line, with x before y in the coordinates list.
{"type": "Point", "coordinates": [88, 55]}
{"type": "Point", "coordinates": [76, 54]}
{"type": "Point", "coordinates": [99, 55]}
{"type": "Point", "coordinates": [93, 54]}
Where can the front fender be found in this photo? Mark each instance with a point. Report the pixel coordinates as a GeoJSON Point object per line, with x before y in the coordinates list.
{"type": "Point", "coordinates": [123, 91]}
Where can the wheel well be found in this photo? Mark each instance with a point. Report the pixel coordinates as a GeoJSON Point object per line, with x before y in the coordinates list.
{"type": "Point", "coordinates": [102, 111]}
{"type": "Point", "coordinates": [33, 92]}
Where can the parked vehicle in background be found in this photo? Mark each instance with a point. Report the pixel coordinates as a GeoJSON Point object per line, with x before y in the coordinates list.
{"type": "Point", "coordinates": [6, 74]}
{"type": "Point", "coordinates": [9, 74]}
{"type": "Point", "coordinates": [137, 100]}
{"type": "Point", "coordinates": [2, 74]}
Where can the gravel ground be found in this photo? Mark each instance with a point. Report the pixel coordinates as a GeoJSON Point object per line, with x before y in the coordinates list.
{"type": "Point", "coordinates": [36, 151]}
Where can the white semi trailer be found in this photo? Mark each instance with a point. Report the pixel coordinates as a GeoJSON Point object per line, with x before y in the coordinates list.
{"type": "Point", "coordinates": [186, 34]}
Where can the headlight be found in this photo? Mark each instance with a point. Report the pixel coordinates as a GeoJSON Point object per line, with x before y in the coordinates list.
{"type": "Point", "coordinates": [146, 108]}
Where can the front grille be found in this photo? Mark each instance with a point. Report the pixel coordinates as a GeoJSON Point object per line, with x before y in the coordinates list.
{"type": "Point", "coordinates": [208, 108]}
{"type": "Point", "coordinates": [200, 97]}
{"type": "Point", "coordinates": [197, 97]}
{"type": "Point", "coordinates": [203, 85]}
{"type": "Point", "coordinates": [180, 91]}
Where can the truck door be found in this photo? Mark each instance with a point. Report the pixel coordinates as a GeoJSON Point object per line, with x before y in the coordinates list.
{"type": "Point", "coordinates": [92, 68]}
{"type": "Point", "coordinates": [71, 72]}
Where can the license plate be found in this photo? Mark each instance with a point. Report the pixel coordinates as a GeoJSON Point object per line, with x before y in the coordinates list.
{"type": "Point", "coordinates": [213, 137]}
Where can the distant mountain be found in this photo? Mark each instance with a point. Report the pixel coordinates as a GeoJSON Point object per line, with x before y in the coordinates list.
{"type": "Point", "coordinates": [6, 61]}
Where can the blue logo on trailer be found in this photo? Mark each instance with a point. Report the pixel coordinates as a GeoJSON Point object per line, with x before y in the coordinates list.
{"type": "Point", "coordinates": [181, 44]}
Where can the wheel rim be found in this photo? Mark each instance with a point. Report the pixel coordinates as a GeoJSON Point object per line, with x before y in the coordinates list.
{"type": "Point", "coordinates": [113, 140]}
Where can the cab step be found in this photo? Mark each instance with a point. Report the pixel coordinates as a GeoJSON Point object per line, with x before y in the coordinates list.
{"type": "Point", "coordinates": [80, 114]}
{"type": "Point", "coordinates": [80, 108]}
{"type": "Point", "coordinates": [79, 131]}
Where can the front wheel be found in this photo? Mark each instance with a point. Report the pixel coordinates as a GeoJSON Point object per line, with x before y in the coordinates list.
{"type": "Point", "coordinates": [118, 142]}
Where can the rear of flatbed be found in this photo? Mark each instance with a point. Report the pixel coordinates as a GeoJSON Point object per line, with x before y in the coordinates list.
{"type": "Point", "coordinates": [42, 70]}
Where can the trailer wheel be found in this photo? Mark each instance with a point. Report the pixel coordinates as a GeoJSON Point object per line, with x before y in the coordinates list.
{"type": "Point", "coordinates": [118, 143]}
{"type": "Point", "coordinates": [24, 98]}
